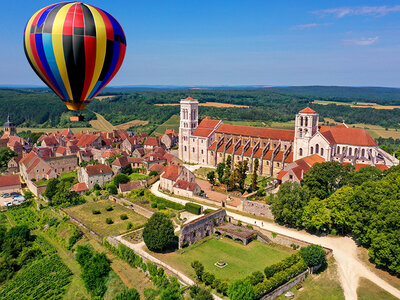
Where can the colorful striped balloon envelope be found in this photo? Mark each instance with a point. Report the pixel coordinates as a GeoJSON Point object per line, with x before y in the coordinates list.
{"type": "Point", "coordinates": [76, 49]}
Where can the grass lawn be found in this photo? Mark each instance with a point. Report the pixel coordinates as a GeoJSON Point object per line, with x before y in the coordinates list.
{"type": "Point", "coordinates": [242, 260]}
{"type": "Point", "coordinates": [367, 290]}
{"type": "Point", "coordinates": [138, 176]}
{"type": "Point", "coordinates": [41, 182]}
{"type": "Point", "coordinates": [71, 174]}
{"type": "Point", "coordinates": [98, 222]}
{"type": "Point", "coordinates": [202, 172]}
{"type": "Point", "coordinates": [171, 123]}
{"type": "Point", "coordinates": [321, 286]}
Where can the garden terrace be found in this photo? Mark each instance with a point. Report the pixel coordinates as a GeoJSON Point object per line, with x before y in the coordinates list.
{"type": "Point", "coordinates": [237, 233]}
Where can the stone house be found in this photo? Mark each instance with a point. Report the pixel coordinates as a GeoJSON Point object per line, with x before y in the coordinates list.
{"type": "Point", "coordinates": [80, 188]}
{"type": "Point", "coordinates": [138, 152]}
{"type": "Point", "coordinates": [33, 167]}
{"type": "Point", "coordinates": [119, 164]}
{"type": "Point", "coordinates": [130, 144]}
{"type": "Point", "coordinates": [125, 188]}
{"type": "Point", "coordinates": [169, 140]}
{"type": "Point", "coordinates": [10, 184]}
{"type": "Point", "coordinates": [97, 174]}
{"type": "Point", "coordinates": [172, 174]}
{"type": "Point", "coordinates": [151, 143]}
{"type": "Point", "coordinates": [186, 189]}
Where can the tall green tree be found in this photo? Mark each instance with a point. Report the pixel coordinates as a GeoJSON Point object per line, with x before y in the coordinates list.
{"type": "Point", "coordinates": [211, 177]}
{"type": "Point", "coordinates": [316, 215]}
{"type": "Point", "coordinates": [220, 172]}
{"type": "Point", "coordinates": [5, 155]}
{"type": "Point", "coordinates": [288, 205]}
{"type": "Point", "coordinates": [340, 211]}
{"type": "Point", "coordinates": [241, 290]}
{"type": "Point", "coordinates": [158, 233]}
{"type": "Point", "coordinates": [240, 174]}
{"type": "Point", "coordinates": [254, 176]}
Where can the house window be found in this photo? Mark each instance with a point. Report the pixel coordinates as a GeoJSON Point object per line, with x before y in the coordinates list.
{"type": "Point", "coordinates": [220, 155]}
{"type": "Point", "coordinates": [350, 151]}
{"type": "Point", "coordinates": [301, 121]}
{"type": "Point", "coordinates": [363, 152]}
{"type": "Point", "coordinates": [322, 151]}
{"type": "Point", "coordinates": [338, 150]}
{"type": "Point", "coordinates": [317, 148]}
{"type": "Point", "coordinates": [185, 148]}
{"type": "Point", "coordinates": [193, 149]}
{"type": "Point", "coordinates": [278, 164]}
{"type": "Point", "coordinates": [202, 152]}
{"type": "Point", "coordinates": [301, 151]}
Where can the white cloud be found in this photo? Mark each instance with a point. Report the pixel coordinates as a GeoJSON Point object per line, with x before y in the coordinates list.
{"type": "Point", "coordinates": [340, 12]}
{"type": "Point", "coordinates": [361, 41]}
{"type": "Point", "coordinates": [307, 26]}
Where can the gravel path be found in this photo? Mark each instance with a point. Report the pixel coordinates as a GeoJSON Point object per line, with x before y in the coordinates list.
{"type": "Point", "coordinates": [350, 268]}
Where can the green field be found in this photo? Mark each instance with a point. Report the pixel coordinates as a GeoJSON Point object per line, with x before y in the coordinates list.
{"type": "Point", "coordinates": [171, 123]}
{"type": "Point", "coordinates": [242, 260]}
{"type": "Point", "coordinates": [368, 290]}
{"type": "Point", "coordinates": [137, 176]}
{"type": "Point", "coordinates": [98, 222]}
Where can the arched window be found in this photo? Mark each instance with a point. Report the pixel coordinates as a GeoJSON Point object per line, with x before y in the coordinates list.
{"type": "Point", "coordinates": [301, 121]}
{"type": "Point", "coordinates": [306, 121]}
{"type": "Point", "coordinates": [301, 151]}
{"type": "Point", "coordinates": [300, 133]}
{"type": "Point", "coordinates": [306, 132]}
{"type": "Point", "coordinates": [338, 150]}
{"type": "Point", "coordinates": [350, 151]}
{"type": "Point", "coordinates": [363, 152]}
{"type": "Point", "coordinates": [322, 151]}
{"type": "Point", "coordinates": [317, 148]}
{"type": "Point", "coordinates": [312, 150]}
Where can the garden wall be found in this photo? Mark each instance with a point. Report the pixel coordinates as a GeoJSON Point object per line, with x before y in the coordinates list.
{"type": "Point", "coordinates": [287, 286]}
{"type": "Point", "coordinates": [136, 208]}
{"type": "Point", "coordinates": [36, 189]}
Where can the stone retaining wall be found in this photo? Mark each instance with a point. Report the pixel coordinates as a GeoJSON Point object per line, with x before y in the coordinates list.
{"type": "Point", "coordinates": [287, 286]}
{"type": "Point", "coordinates": [36, 189]}
{"type": "Point", "coordinates": [257, 209]}
{"type": "Point", "coordinates": [136, 208]}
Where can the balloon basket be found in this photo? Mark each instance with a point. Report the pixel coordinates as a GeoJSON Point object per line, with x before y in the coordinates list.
{"type": "Point", "coordinates": [77, 118]}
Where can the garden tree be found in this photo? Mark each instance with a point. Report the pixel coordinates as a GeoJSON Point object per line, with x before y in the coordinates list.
{"type": "Point", "coordinates": [227, 171]}
{"type": "Point", "coordinates": [95, 272]}
{"type": "Point", "coordinates": [340, 211]}
{"type": "Point", "coordinates": [5, 155]}
{"type": "Point", "coordinates": [112, 188]}
{"type": "Point", "coordinates": [241, 290]}
{"type": "Point", "coordinates": [368, 173]}
{"type": "Point", "coordinates": [158, 233]}
{"type": "Point", "coordinates": [211, 177]}
{"type": "Point", "coordinates": [220, 172]}
{"type": "Point", "coordinates": [316, 215]}
{"type": "Point", "coordinates": [83, 254]}
{"type": "Point", "coordinates": [131, 294]}
{"type": "Point", "coordinates": [172, 291]}
{"type": "Point", "coordinates": [313, 255]}
{"type": "Point", "coordinates": [153, 173]}
{"type": "Point", "coordinates": [198, 269]}
{"type": "Point", "coordinates": [323, 179]}
{"type": "Point", "coordinates": [120, 178]}
{"type": "Point", "coordinates": [65, 196]}
{"type": "Point", "coordinates": [199, 293]}
{"type": "Point", "coordinates": [240, 174]}
{"type": "Point", "coordinates": [288, 204]}
{"type": "Point", "coordinates": [51, 188]}
{"type": "Point", "coordinates": [110, 160]}
{"type": "Point", "coordinates": [254, 176]}
{"type": "Point", "coordinates": [15, 239]}
{"type": "Point", "coordinates": [128, 170]}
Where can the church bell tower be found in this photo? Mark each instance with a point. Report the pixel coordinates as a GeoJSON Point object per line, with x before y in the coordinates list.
{"type": "Point", "coordinates": [188, 124]}
{"type": "Point", "coordinates": [9, 128]}
{"type": "Point", "coordinates": [306, 125]}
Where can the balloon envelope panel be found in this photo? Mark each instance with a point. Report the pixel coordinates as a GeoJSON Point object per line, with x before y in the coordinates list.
{"type": "Point", "coordinates": [76, 49]}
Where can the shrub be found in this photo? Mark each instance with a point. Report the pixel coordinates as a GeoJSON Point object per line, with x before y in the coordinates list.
{"type": "Point", "coordinates": [120, 178]}
{"type": "Point", "coordinates": [109, 208]}
{"type": "Point", "coordinates": [97, 187]}
{"type": "Point", "coordinates": [198, 293]}
{"type": "Point", "coordinates": [241, 290]}
{"type": "Point", "coordinates": [313, 255]}
{"type": "Point", "coordinates": [131, 294]}
{"type": "Point", "coordinates": [208, 210]}
{"type": "Point", "coordinates": [153, 173]}
{"type": "Point", "coordinates": [109, 221]}
{"type": "Point", "coordinates": [198, 269]}
{"type": "Point", "coordinates": [158, 233]}
{"type": "Point", "coordinates": [160, 206]}
{"type": "Point", "coordinates": [208, 278]}
{"type": "Point", "coordinates": [123, 217]}
{"type": "Point", "coordinates": [193, 208]}
{"type": "Point", "coordinates": [96, 212]}
{"type": "Point", "coordinates": [76, 236]}
{"type": "Point", "coordinates": [239, 223]}
{"type": "Point", "coordinates": [98, 193]}
{"type": "Point", "coordinates": [111, 188]}
{"type": "Point", "coordinates": [249, 226]}
{"type": "Point", "coordinates": [129, 226]}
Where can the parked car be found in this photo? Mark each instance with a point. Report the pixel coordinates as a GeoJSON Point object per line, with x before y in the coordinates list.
{"type": "Point", "coordinates": [13, 194]}
{"type": "Point", "coordinates": [19, 199]}
{"type": "Point", "coordinates": [7, 203]}
{"type": "Point", "coordinates": [5, 195]}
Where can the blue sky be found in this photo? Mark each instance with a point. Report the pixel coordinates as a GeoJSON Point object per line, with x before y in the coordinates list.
{"type": "Point", "coordinates": [235, 42]}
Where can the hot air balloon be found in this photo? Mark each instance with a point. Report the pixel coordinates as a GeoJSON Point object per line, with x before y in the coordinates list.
{"type": "Point", "coordinates": [76, 49]}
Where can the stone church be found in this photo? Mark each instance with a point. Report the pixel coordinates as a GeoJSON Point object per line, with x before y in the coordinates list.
{"type": "Point", "coordinates": [210, 142]}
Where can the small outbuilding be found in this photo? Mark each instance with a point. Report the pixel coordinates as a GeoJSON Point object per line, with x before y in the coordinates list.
{"type": "Point", "coordinates": [10, 184]}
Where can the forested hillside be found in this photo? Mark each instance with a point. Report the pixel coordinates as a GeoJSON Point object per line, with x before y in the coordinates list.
{"type": "Point", "coordinates": [41, 108]}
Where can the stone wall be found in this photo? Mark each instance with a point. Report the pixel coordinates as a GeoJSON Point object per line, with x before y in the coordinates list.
{"type": "Point", "coordinates": [36, 189]}
{"type": "Point", "coordinates": [63, 164]}
{"type": "Point", "coordinates": [200, 228]}
{"type": "Point", "coordinates": [257, 209]}
{"type": "Point", "coordinates": [287, 286]}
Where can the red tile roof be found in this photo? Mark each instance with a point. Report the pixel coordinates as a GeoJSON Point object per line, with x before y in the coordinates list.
{"type": "Point", "coordinates": [67, 132]}
{"type": "Point", "coordinates": [312, 159]}
{"type": "Point", "coordinates": [185, 185]}
{"type": "Point", "coordinates": [189, 98]}
{"type": "Point", "coordinates": [281, 174]}
{"type": "Point", "coordinates": [80, 187]}
{"type": "Point", "coordinates": [203, 132]}
{"type": "Point", "coordinates": [131, 185]}
{"type": "Point", "coordinates": [171, 172]}
{"type": "Point", "coordinates": [381, 167]}
{"type": "Point", "coordinates": [348, 136]}
{"type": "Point", "coordinates": [152, 141]}
{"type": "Point", "coordinates": [87, 140]}
{"type": "Point", "coordinates": [135, 160]}
{"type": "Point", "coordinates": [98, 169]}
{"type": "Point", "coordinates": [171, 131]}
{"type": "Point", "coordinates": [261, 132]}
{"type": "Point", "coordinates": [289, 158]}
{"type": "Point", "coordinates": [121, 162]}
{"type": "Point", "coordinates": [208, 123]}
{"type": "Point", "coordinates": [61, 150]}
{"type": "Point", "coordinates": [157, 167]}
{"type": "Point", "coordinates": [9, 180]}
{"type": "Point", "coordinates": [307, 110]}
{"type": "Point", "coordinates": [28, 158]}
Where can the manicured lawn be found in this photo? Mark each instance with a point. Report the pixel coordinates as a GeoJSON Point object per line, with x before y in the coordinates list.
{"type": "Point", "coordinates": [368, 290]}
{"type": "Point", "coordinates": [138, 176]}
{"type": "Point", "coordinates": [41, 182]}
{"type": "Point", "coordinates": [242, 260]}
{"type": "Point", "coordinates": [71, 174]}
{"type": "Point", "coordinates": [98, 222]}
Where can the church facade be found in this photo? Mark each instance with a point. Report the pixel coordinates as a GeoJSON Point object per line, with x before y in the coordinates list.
{"type": "Point", "coordinates": [211, 142]}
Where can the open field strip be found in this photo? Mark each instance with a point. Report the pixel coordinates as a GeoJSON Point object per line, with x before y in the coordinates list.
{"type": "Point", "coordinates": [125, 126]}
{"type": "Point", "coordinates": [358, 104]}
{"type": "Point", "coordinates": [171, 123]}
{"type": "Point", "coordinates": [101, 124]}
{"type": "Point", "coordinates": [104, 97]}
{"type": "Point", "coordinates": [35, 129]}
{"type": "Point", "coordinates": [210, 104]}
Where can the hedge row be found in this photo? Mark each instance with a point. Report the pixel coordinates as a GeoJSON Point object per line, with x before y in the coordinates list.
{"type": "Point", "coordinates": [193, 208]}
{"type": "Point", "coordinates": [280, 278]}
{"type": "Point", "coordinates": [167, 203]}
{"type": "Point", "coordinates": [269, 271]}
{"type": "Point", "coordinates": [208, 210]}
{"type": "Point", "coordinates": [209, 278]}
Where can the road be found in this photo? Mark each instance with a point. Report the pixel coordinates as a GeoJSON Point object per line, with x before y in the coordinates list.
{"type": "Point", "coordinates": [350, 267]}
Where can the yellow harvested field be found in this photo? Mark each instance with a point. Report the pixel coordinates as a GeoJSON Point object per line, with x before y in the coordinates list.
{"type": "Point", "coordinates": [101, 124]}
{"type": "Point", "coordinates": [213, 104]}
{"type": "Point", "coordinates": [74, 130]}
{"type": "Point", "coordinates": [130, 124]}
{"type": "Point", "coordinates": [104, 97]}
{"type": "Point", "coordinates": [358, 104]}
